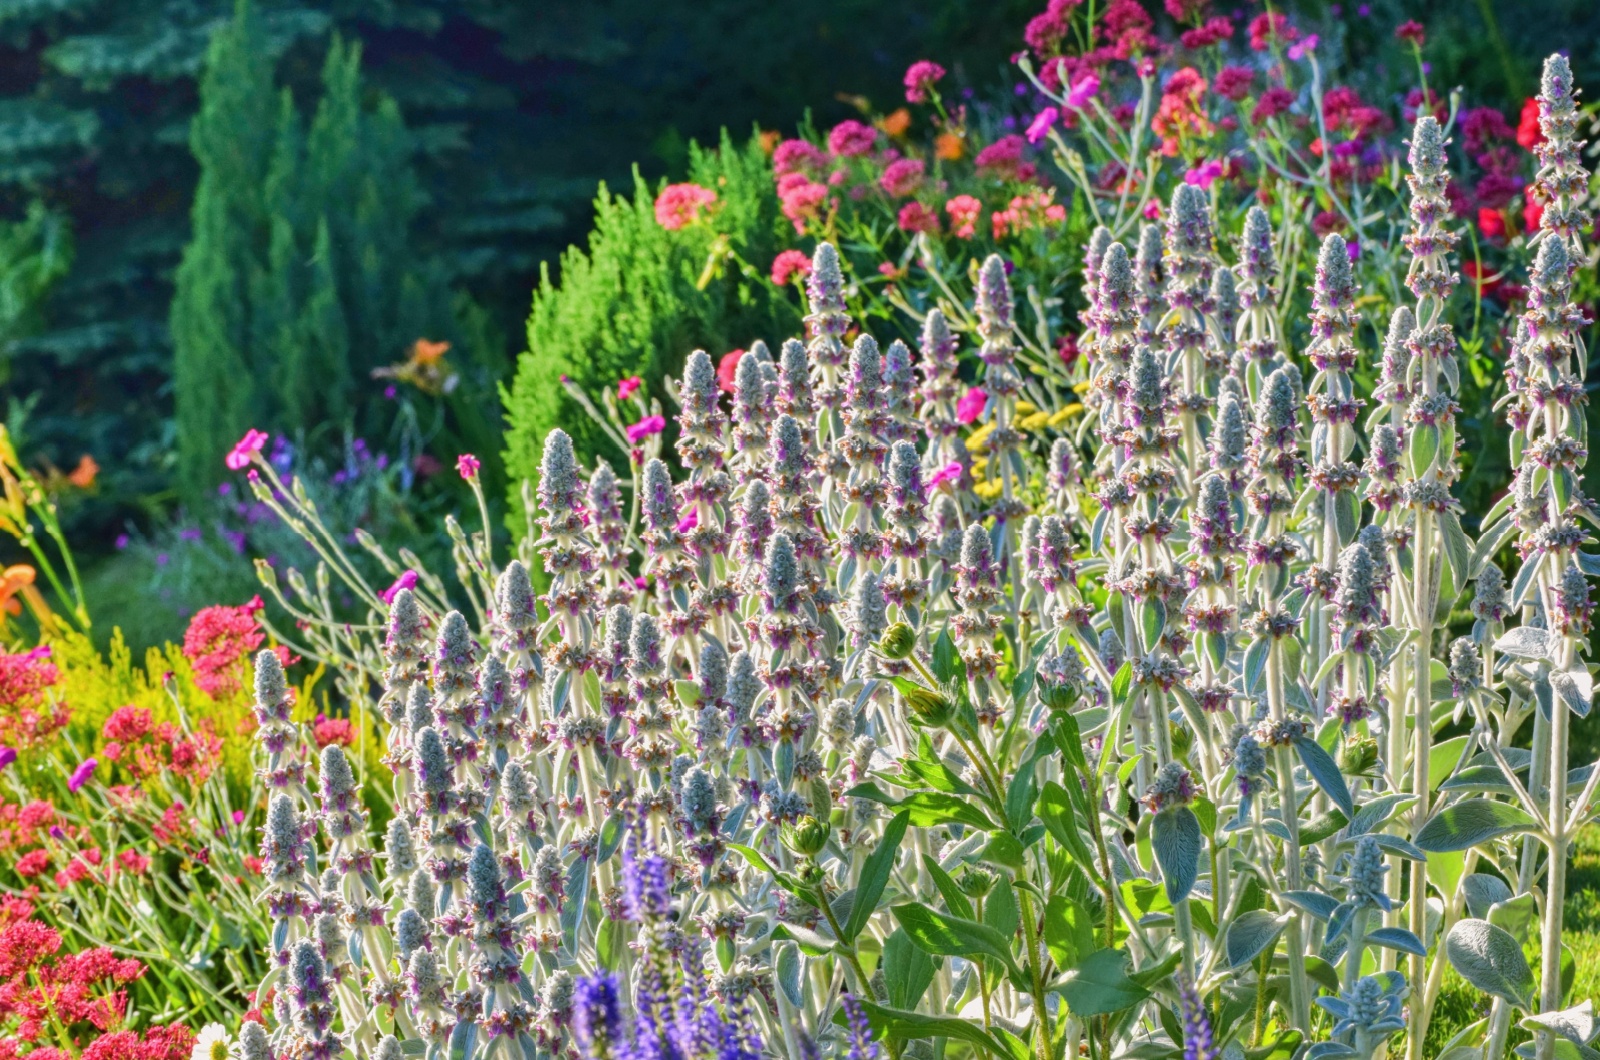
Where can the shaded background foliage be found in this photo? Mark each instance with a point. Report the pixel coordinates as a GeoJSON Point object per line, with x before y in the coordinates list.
{"type": "Point", "coordinates": [510, 116]}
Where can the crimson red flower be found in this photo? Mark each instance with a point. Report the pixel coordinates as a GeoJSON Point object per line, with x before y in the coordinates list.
{"type": "Point", "coordinates": [1214, 32]}
{"type": "Point", "coordinates": [1273, 101]}
{"type": "Point", "coordinates": [1532, 214]}
{"type": "Point", "coordinates": [1529, 135]}
{"type": "Point", "coordinates": [1491, 222]}
{"type": "Point", "coordinates": [1412, 32]}
{"type": "Point", "coordinates": [728, 368]}
{"type": "Point", "coordinates": [1233, 82]}
{"type": "Point", "coordinates": [1268, 27]}
{"type": "Point", "coordinates": [333, 730]}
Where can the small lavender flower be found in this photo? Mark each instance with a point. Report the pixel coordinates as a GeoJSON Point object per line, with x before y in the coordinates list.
{"type": "Point", "coordinates": [597, 1017]}
{"type": "Point", "coordinates": [1198, 1041]}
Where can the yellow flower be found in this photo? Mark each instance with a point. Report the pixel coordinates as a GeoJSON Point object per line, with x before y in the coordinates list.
{"type": "Point", "coordinates": [1061, 416]}
{"type": "Point", "coordinates": [978, 439]}
{"type": "Point", "coordinates": [1026, 408]}
{"type": "Point", "coordinates": [1034, 422]}
{"type": "Point", "coordinates": [988, 490]}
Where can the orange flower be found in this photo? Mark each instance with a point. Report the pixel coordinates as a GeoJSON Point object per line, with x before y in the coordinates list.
{"type": "Point", "coordinates": [15, 581]}
{"type": "Point", "coordinates": [83, 475]}
{"type": "Point", "coordinates": [769, 140]}
{"type": "Point", "coordinates": [896, 122]}
{"type": "Point", "coordinates": [949, 147]}
{"type": "Point", "coordinates": [424, 351]}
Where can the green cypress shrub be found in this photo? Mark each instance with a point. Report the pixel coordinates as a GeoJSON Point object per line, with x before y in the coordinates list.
{"type": "Point", "coordinates": [300, 279]}
{"type": "Point", "coordinates": [640, 299]}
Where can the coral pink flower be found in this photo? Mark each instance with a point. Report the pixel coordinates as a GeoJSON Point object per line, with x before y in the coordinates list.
{"type": "Point", "coordinates": [920, 78]}
{"type": "Point", "coordinates": [964, 211]}
{"type": "Point", "coordinates": [626, 387]}
{"type": "Point", "coordinates": [252, 442]}
{"type": "Point", "coordinates": [970, 407]}
{"type": "Point", "coordinates": [851, 138]}
{"type": "Point", "coordinates": [681, 204]}
{"type": "Point", "coordinates": [217, 642]}
{"type": "Point", "coordinates": [789, 266]}
{"type": "Point", "coordinates": [802, 200]}
{"type": "Point", "coordinates": [645, 428]}
{"type": "Point", "coordinates": [333, 730]}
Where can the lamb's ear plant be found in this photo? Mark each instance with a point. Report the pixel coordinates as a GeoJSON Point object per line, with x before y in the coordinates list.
{"type": "Point", "coordinates": [1147, 739]}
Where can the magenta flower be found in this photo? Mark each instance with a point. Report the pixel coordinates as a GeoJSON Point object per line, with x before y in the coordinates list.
{"type": "Point", "coordinates": [920, 79]}
{"type": "Point", "coordinates": [1039, 128]}
{"type": "Point", "coordinates": [688, 522]}
{"type": "Point", "coordinates": [851, 138]}
{"type": "Point", "coordinates": [1205, 174]}
{"type": "Point", "coordinates": [970, 407]}
{"type": "Point", "coordinates": [680, 205]}
{"type": "Point", "coordinates": [626, 387]}
{"type": "Point", "coordinates": [81, 775]}
{"type": "Point", "coordinates": [250, 444]}
{"type": "Point", "coordinates": [951, 472]}
{"type": "Point", "coordinates": [645, 428]}
{"type": "Point", "coordinates": [7, 756]}
{"type": "Point", "coordinates": [408, 580]}
{"type": "Point", "coordinates": [1081, 93]}
{"type": "Point", "coordinates": [468, 465]}
{"type": "Point", "coordinates": [238, 817]}
{"type": "Point", "coordinates": [1301, 49]}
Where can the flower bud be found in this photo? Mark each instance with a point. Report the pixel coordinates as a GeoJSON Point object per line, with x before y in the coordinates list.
{"type": "Point", "coordinates": [807, 836]}
{"type": "Point", "coordinates": [932, 708]}
{"type": "Point", "coordinates": [975, 881]}
{"type": "Point", "coordinates": [898, 641]}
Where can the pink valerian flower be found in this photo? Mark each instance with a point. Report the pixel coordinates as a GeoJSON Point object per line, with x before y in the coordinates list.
{"type": "Point", "coordinates": [468, 466]}
{"type": "Point", "coordinates": [1411, 32]}
{"type": "Point", "coordinates": [638, 432]}
{"type": "Point", "coordinates": [915, 217]}
{"type": "Point", "coordinates": [679, 205]}
{"type": "Point", "coordinates": [1181, 110]}
{"type": "Point", "coordinates": [81, 775]}
{"type": "Point", "coordinates": [1039, 128]}
{"type": "Point", "coordinates": [902, 177]}
{"type": "Point", "coordinates": [971, 405]}
{"type": "Point", "coordinates": [1270, 26]}
{"type": "Point", "coordinates": [920, 79]}
{"type": "Point", "coordinates": [1273, 101]}
{"type": "Point", "coordinates": [790, 265]}
{"type": "Point", "coordinates": [951, 472]}
{"type": "Point", "coordinates": [239, 457]}
{"type": "Point", "coordinates": [1233, 82]}
{"type": "Point", "coordinates": [627, 387]}
{"type": "Point", "coordinates": [964, 211]}
{"type": "Point", "coordinates": [1003, 159]}
{"type": "Point", "coordinates": [851, 139]}
{"type": "Point", "coordinates": [1205, 174]}
{"type": "Point", "coordinates": [801, 199]}
{"type": "Point", "coordinates": [218, 642]}
{"type": "Point", "coordinates": [407, 580]}
{"type": "Point", "coordinates": [1045, 32]}
{"type": "Point", "coordinates": [1214, 32]}
{"type": "Point", "coordinates": [798, 156]}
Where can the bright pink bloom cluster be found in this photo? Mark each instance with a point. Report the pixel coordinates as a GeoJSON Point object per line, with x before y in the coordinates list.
{"type": "Point", "coordinates": [145, 749]}
{"type": "Point", "coordinates": [680, 205]}
{"type": "Point", "coordinates": [1003, 159]}
{"type": "Point", "coordinates": [788, 266]}
{"type": "Point", "coordinates": [638, 432]}
{"type": "Point", "coordinates": [219, 641]}
{"type": "Point", "coordinates": [252, 442]}
{"type": "Point", "coordinates": [27, 715]}
{"type": "Point", "coordinates": [920, 79]}
{"type": "Point", "coordinates": [851, 139]}
{"type": "Point", "coordinates": [83, 992]}
{"type": "Point", "coordinates": [964, 211]}
{"type": "Point", "coordinates": [902, 177]}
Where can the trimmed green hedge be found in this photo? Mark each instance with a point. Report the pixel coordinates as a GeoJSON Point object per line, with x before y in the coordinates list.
{"type": "Point", "coordinates": [633, 303]}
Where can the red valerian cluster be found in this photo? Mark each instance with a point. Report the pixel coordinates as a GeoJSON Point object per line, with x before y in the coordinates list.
{"type": "Point", "coordinates": [45, 993]}
{"type": "Point", "coordinates": [145, 749]}
{"type": "Point", "coordinates": [28, 715]}
{"type": "Point", "coordinates": [217, 642]}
